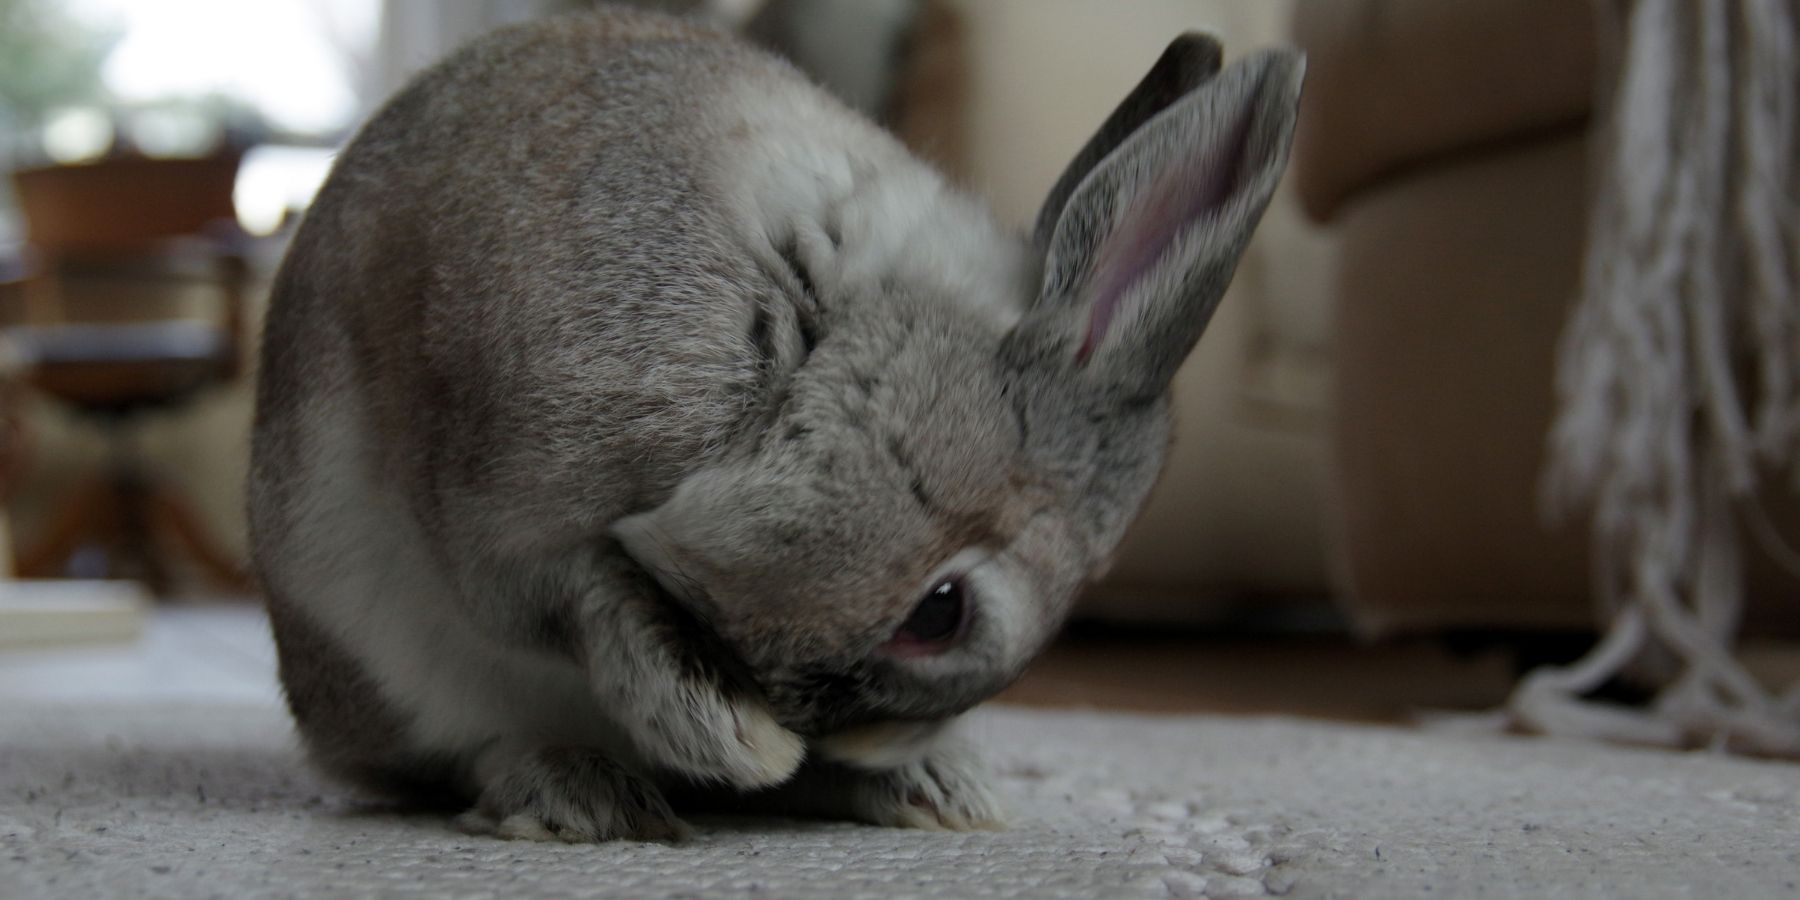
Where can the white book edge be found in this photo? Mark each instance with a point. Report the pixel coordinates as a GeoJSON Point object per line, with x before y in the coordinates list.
{"type": "Point", "coordinates": [59, 613]}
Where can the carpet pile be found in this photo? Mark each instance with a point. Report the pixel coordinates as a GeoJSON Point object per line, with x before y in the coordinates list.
{"type": "Point", "coordinates": [184, 799]}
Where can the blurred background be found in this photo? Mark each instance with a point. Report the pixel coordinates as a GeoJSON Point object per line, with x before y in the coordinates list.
{"type": "Point", "coordinates": [1350, 521]}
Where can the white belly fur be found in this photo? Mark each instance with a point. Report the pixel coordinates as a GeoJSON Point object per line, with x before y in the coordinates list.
{"type": "Point", "coordinates": [357, 565]}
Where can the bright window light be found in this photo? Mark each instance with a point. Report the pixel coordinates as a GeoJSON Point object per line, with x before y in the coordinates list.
{"type": "Point", "coordinates": [295, 61]}
{"type": "Point", "coordinates": [77, 135]}
{"type": "Point", "coordinates": [274, 180]}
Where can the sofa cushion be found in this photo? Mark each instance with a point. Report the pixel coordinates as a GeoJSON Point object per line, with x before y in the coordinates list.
{"type": "Point", "coordinates": [1394, 82]}
{"type": "Point", "coordinates": [1452, 288]}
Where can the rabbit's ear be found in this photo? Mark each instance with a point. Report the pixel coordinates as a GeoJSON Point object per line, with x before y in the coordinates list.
{"type": "Point", "coordinates": [1139, 253]}
{"type": "Point", "coordinates": [1190, 60]}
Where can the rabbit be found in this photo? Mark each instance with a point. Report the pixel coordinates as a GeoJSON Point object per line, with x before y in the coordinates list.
{"type": "Point", "coordinates": [639, 430]}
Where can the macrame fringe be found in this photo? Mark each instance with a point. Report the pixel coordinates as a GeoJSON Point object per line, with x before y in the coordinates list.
{"type": "Point", "coordinates": [1679, 373]}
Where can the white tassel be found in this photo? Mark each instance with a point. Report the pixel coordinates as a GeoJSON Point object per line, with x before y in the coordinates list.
{"type": "Point", "coordinates": [1692, 268]}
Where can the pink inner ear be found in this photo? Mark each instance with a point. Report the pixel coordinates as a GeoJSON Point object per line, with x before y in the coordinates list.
{"type": "Point", "coordinates": [1187, 191]}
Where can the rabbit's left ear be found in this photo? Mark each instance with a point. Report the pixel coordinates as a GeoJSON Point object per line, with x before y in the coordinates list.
{"type": "Point", "coordinates": [1138, 251]}
{"type": "Point", "coordinates": [1188, 62]}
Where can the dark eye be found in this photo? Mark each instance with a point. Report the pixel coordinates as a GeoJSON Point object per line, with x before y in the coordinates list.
{"type": "Point", "coordinates": [938, 617]}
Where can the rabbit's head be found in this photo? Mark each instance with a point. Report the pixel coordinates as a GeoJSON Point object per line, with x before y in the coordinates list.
{"type": "Point", "coordinates": [935, 483]}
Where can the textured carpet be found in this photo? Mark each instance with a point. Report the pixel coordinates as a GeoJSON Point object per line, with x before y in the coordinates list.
{"type": "Point", "coordinates": [175, 799]}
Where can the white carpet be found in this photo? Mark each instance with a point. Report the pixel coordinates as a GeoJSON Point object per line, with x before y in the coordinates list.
{"type": "Point", "coordinates": [171, 794]}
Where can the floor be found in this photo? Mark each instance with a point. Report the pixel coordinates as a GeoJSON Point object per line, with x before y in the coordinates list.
{"type": "Point", "coordinates": [167, 768]}
{"type": "Point", "coordinates": [1328, 677]}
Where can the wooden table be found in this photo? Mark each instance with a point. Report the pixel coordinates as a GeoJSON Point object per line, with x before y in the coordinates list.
{"type": "Point", "coordinates": [12, 444]}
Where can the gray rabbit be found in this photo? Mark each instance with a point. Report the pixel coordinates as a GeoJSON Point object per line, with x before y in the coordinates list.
{"type": "Point", "coordinates": [638, 427]}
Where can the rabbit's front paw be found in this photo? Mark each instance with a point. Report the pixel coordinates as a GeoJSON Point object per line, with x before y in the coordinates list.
{"type": "Point", "coordinates": [572, 795]}
{"type": "Point", "coordinates": [946, 790]}
{"type": "Point", "coordinates": [717, 738]}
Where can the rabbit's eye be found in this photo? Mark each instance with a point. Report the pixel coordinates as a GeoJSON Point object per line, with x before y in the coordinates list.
{"type": "Point", "coordinates": [938, 617]}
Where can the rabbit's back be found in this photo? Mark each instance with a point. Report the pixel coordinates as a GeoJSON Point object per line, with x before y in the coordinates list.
{"type": "Point", "coordinates": [514, 313]}
{"type": "Point", "coordinates": [521, 271]}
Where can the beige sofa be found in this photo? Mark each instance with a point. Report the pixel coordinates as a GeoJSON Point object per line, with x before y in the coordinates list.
{"type": "Point", "coordinates": [1444, 144]}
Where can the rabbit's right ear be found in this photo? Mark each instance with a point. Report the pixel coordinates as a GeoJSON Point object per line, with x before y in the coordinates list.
{"type": "Point", "coordinates": [1140, 237]}
{"type": "Point", "coordinates": [1190, 60]}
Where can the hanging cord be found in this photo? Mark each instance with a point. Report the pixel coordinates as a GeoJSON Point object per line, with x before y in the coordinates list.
{"type": "Point", "coordinates": [1679, 373]}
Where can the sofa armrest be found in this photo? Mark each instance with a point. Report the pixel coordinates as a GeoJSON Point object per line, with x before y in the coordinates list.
{"type": "Point", "coordinates": [1395, 82]}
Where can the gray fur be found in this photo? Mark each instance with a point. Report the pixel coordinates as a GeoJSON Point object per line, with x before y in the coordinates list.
{"type": "Point", "coordinates": [622, 395]}
{"type": "Point", "coordinates": [575, 795]}
{"type": "Point", "coordinates": [944, 790]}
{"type": "Point", "coordinates": [352, 735]}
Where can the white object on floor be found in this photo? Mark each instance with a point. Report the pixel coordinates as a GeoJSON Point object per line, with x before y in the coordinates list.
{"type": "Point", "coordinates": [153, 794]}
{"type": "Point", "coordinates": [183, 655]}
{"type": "Point", "coordinates": [48, 613]}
